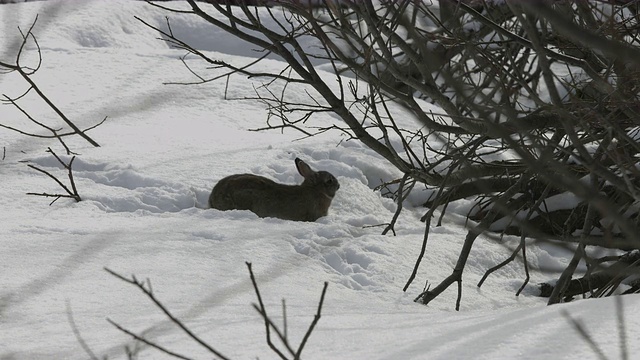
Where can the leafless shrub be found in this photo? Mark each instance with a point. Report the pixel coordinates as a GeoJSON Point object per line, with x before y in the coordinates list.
{"type": "Point", "coordinates": [26, 72]}
{"type": "Point", "coordinates": [537, 116]}
{"type": "Point", "coordinates": [289, 351]}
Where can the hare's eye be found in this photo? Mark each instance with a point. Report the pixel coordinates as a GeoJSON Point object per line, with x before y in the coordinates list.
{"type": "Point", "coordinates": [329, 181]}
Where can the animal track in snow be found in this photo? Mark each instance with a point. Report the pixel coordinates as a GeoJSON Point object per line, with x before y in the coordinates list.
{"type": "Point", "coordinates": [122, 189]}
{"type": "Point", "coordinates": [354, 263]}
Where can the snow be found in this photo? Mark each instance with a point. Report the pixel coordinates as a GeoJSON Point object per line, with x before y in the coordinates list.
{"type": "Point", "coordinates": [143, 212]}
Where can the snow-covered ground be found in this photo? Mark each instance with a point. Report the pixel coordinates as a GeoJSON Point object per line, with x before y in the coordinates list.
{"type": "Point", "coordinates": [144, 190]}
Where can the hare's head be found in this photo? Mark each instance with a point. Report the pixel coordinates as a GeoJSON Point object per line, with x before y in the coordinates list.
{"type": "Point", "coordinates": [323, 181]}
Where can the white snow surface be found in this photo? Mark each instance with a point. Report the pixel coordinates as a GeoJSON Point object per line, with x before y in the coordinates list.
{"type": "Point", "coordinates": [144, 212]}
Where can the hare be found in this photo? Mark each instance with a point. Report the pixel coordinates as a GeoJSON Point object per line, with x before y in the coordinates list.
{"type": "Point", "coordinates": [266, 198]}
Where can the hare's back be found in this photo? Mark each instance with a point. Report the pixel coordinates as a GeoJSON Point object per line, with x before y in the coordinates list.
{"type": "Point", "coordinates": [239, 191]}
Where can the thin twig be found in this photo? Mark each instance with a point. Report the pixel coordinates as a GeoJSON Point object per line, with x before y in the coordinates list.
{"type": "Point", "coordinates": [400, 200]}
{"type": "Point", "coordinates": [70, 194]}
{"type": "Point", "coordinates": [284, 320]}
{"type": "Point", "coordinates": [316, 318]}
{"type": "Point", "coordinates": [77, 334]}
{"type": "Point", "coordinates": [148, 342]}
{"type": "Point", "coordinates": [166, 311]}
{"type": "Point", "coordinates": [263, 312]}
{"type": "Point", "coordinates": [26, 73]}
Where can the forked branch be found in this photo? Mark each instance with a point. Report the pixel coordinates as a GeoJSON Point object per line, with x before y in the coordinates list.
{"type": "Point", "coordinates": [26, 72]}
{"type": "Point", "coordinates": [145, 287]}
{"type": "Point", "coordinates": [69, 192]}
{"type": "Point", "coordinates": [282, 334]}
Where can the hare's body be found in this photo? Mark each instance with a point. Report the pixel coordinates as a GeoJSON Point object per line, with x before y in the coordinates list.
{"type": "Point", "coordinates": [266, 198]}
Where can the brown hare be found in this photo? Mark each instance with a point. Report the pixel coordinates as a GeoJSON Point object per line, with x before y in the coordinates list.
{"type": "Point", "coordinates": [266, 198]}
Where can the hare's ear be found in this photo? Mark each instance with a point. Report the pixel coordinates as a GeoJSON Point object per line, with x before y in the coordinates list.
{"type": "Point", "coordinates": [304, 169]}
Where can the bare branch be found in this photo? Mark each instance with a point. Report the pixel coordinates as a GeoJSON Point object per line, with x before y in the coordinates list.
{"type": "Point", "coordinates": [73, 193]}
{"type": "Point", "coordinates": [525, 108]}
{"type": "Point", "coordinates": [26, 72]}
{"type": "Point", "coordinates": [148, 342]}
{"type": "Point", "coordinates": [77, 334]}
{"type": "Point", "coordinates": [147, 291]}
